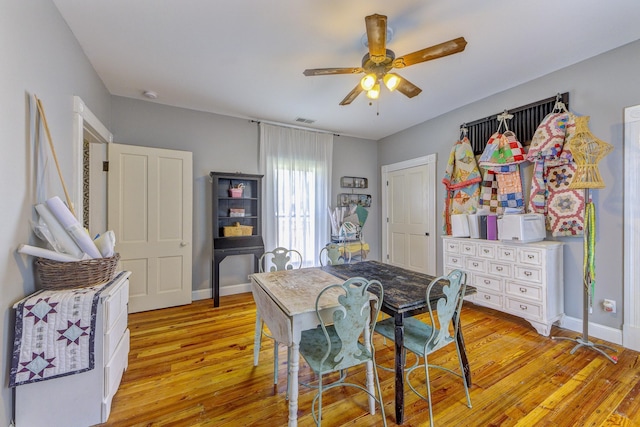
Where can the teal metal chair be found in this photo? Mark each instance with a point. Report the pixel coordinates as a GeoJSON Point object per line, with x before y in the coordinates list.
{"type": "Point", "coordinates": [276, 260]}
{"type": "Point", "coordinates": [345, 340]}
{"type": "Point", "coordinates": [423, 339]}
{"type": "Point", "coordinates": [332, 255]}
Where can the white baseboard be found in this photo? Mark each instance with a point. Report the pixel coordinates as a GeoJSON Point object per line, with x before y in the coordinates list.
{"type": "Point", "coordinates": [596, 330]}
{"type": "Point", "coordinates": [631, 337]}
{"type": "Point", "coordinates": [240, 288]}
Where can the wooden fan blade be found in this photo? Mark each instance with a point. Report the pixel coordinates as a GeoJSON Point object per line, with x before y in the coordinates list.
{"type": "Point", "coordinates": [407, 88]}
{"type": "Point", "coordinates": [377, 37]}
{"type": "Point", "coordinates": [433, 52]}
{"type": "Point", "coordinates": [330, 71]}
{"type": "Point", "coordinates": [352, 95]}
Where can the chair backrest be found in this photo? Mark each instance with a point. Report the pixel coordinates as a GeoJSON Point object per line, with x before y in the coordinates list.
{"type": "Point", "coordinates": [280, 259]}
{"type": "Point", "coordinates": [332, 255]}
{"type": "Point", "coordinates": [445, 327]}
{"type": "Point", "coordinates": [356, 317]}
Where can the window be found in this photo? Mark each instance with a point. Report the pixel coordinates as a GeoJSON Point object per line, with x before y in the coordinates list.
{"type": "Point", "coordinates": [297, 181]}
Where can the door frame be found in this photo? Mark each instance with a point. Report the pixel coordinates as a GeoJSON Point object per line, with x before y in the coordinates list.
{"type": "Point", "coordinates": [84, 123]}
{"type": "Point", "coordinates": [631, 323]}
{"type": "Point", "coordinates": [430, 159]}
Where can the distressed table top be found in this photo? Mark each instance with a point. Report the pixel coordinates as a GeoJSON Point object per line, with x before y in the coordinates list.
{"type": "Point", "coordinates": [295, 291]}
{"type": "Point", "coordinates": [404, 290]}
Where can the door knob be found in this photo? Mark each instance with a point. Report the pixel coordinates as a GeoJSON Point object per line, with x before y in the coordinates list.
{"type": "Point", "coordinates": [183, 244]}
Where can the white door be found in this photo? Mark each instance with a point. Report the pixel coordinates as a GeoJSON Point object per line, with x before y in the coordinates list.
{"type": "Point", "coordinates": [150, 195]}
{"type": "Point", "coordinates": [409, 202]}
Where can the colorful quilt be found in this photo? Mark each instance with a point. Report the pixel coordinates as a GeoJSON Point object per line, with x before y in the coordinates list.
{"type": "Point", "coordinates": [55, 334]}
{"type": "Point", "coordinates": [462, 182]}
{"type": "Point", "coordinates": [554, 169]}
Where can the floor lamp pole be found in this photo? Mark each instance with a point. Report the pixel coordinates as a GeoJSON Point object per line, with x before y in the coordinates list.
{"type": "Point", "coordinates": [586, 281]}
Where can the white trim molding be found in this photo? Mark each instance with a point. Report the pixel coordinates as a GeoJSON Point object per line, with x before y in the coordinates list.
{"type": "Point", "coordinates": [84, 121]}
{"type": "Point", "coordinates": [631, 324]}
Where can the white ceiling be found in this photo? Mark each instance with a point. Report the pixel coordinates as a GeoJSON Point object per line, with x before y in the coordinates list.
{"type": "Point", "coordinates": [245, 58]}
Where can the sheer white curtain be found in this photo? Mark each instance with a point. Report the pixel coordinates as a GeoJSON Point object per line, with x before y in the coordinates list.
{"type": "Point", "coordinates": [297, 188]}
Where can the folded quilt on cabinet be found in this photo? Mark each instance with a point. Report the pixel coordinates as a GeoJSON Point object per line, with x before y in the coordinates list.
{"type": "Point", "coordinates": [54, 334]}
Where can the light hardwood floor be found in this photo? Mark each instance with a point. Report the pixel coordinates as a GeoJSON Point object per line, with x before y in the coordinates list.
{"type": "Point", "coordinates": [193, 366]}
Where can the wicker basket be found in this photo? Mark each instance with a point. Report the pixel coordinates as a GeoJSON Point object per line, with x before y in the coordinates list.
{"type": "Point", "coordinates": [237, 230]}
{"type": "Point", "coordinates": [56, 275]}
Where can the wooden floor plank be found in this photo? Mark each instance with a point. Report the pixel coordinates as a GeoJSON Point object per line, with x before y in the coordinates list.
{"type": "Point", "coordinates": [193, 366]}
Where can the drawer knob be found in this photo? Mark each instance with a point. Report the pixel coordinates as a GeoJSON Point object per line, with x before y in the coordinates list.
{"type": "Point", "coordinates": [523, 307]}
{"type": "Point", "coordinates": [530, 256]}
{"type": "Point", "coordinates": [487, 297]}
{"type": "Point", "coordinates": [475, 264]}
{"type": "Point", "coordinates": [487, 281]}
{"type": "Point", "coordinates": [499, 268]}
{"type": "Point", "coordinates": [454, 260]}
{"type": "Point", "coordinates": [486, 251]}
{"type": "Point", "coordinates": [523, 290]}
{"type": "Point", "coordinates": [507, 253]}
{"type": "Point", "coordinates": [527, 273]}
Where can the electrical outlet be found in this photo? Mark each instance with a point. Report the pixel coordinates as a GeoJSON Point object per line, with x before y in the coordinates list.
{"type": "Point", "coordinates": [609, 305]}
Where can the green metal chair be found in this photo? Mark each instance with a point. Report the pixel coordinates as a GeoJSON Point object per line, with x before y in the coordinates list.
{"type": "Point", "coordinates": [276, 260]}
{"type": "Point", "coordinates": [332, 255]}
{"type": "Point", "coordinates": [345, 340]}
{"type": "Point", "coordinates": [423, 339]}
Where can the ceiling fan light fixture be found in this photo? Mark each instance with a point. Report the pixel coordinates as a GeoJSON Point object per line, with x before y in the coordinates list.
{"type": "Point", "coordinates": [374, 92]}
{"type": "Point", "coordinates": [368, 81]}
{"type": "Point", "coordinates": [391, 81]}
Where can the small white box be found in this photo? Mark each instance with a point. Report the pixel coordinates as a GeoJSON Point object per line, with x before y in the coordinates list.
{"type": "Point", "coordinates": [522, 228]}
{"type": "Point", "coordinates": [459, 225]}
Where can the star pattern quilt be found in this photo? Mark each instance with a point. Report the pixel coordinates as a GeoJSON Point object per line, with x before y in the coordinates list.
{"type": "Point", "coordinates": [55, 334]}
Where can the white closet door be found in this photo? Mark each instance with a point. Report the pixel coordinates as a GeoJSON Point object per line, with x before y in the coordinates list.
{"type": "Point", "coordinates": [150, 193]}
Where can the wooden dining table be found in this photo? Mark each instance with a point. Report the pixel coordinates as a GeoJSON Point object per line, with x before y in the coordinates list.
{"type": "Point", "coordinates": [286, 302]}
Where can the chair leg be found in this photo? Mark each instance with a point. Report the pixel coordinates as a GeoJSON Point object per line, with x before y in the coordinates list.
{"type": "Point", "coordinates": [275, 362]}
{"type": "Point", "coordinates": [257, 339]}
{"type": "Point", "coordinates": [464, 380]}
{"type": "Point", "coordinates": [426, 372]}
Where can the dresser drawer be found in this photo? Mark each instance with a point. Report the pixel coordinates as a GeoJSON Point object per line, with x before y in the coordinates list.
{"type": "Point", "coordinates": [451, 247]}
{"type": "Point", "coordinates": [506, 254]}
{"type": "Point", "coordinates": [521, 290]}
{"type": "Point", "coordinates": [528, 274]}
{"type": "Point", "coordinates": [476, 264]}
{"type": "Point", "coordinates": [113, 336]}
{"type": "Point", "coordinates": [500, 269]}
{"type": "Point", "coordinates": [487, 283]}
{"type": "Point", "coordinates": [468, 248]}
{"type": "Point", "coordinates": [488, 299]}
{"type": "Point", "coordinates": [487, 251]}
{"type": "Point", "coordinates": [115, 304]}
{"type": "Point", "coordinates": [527, 310]}
{"type": "Point", "coordinates": [114, 369]}
{"type": "Point", "coordinates": [530, 256]}
{"type": "Point", "coordinates": [454, 261]}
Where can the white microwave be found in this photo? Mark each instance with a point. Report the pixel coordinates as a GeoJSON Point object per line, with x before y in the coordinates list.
{"type": "Point", "coordinates": [521, 228]}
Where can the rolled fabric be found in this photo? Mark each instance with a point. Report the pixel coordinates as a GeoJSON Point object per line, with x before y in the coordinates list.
{"type": "Point", "coordinates": [46, 253]}
{"type": "Point", "coordinates": [106, 243]}
{"type": "Point", "coordinates": [66, 243]}
{"type": "Point", "coordinates": [73, 227]}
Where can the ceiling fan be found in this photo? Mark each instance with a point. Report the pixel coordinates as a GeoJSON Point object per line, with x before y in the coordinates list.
{"type": "Point", "coordinates": [378, 63]}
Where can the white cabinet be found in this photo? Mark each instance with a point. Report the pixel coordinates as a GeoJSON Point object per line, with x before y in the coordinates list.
{"type": "Point", "coordinates": [523, 279]}
{"type": "Point", "coordinates": [84, 399]}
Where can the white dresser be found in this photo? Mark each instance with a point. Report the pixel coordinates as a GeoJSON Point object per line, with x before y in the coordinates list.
{"type": "Point", "coordinates": [84, 399]}
{"type": "Point", "coordinates": [523, 279]}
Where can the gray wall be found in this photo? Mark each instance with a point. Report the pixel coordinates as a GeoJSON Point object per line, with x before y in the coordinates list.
{"type": "Point", "coordinates": [599, 87]}
{"type": "Point", "coordinates": [222, 143]}
{"type": "Point", "coordinates": [39, 56]}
